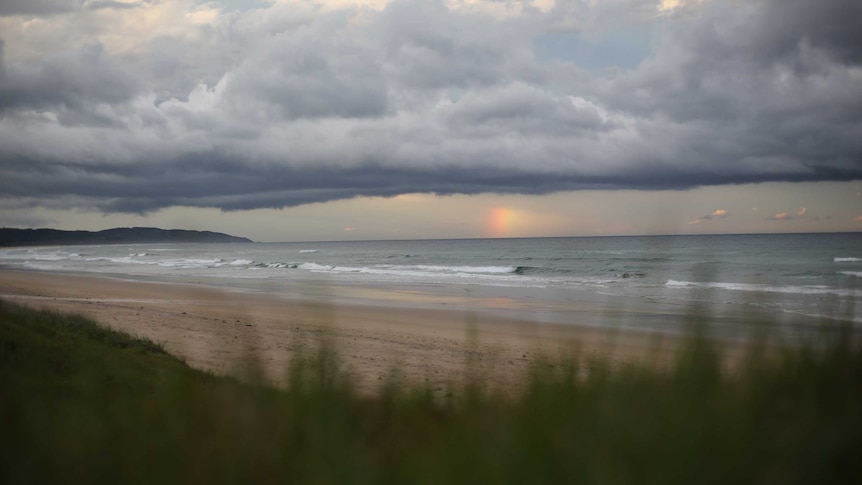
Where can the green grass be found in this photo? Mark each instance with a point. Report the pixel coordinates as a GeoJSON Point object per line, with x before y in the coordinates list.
{"type": "Point", "coordinates": [80, 403]}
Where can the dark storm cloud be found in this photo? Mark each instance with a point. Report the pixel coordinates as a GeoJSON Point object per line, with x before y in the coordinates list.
{"type": "Point", "coordinates": [290, 104]}
{"type": "Point", "coordinates": [831, 26]}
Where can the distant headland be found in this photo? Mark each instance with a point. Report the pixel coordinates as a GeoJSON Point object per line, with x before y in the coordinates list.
{"type": "Point", "coordinates": [119, 235]}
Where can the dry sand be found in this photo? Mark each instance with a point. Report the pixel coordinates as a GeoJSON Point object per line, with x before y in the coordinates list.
{"type": "Point", "coordinates": [217, 330]}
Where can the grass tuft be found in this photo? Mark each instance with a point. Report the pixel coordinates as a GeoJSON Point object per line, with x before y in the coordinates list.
{"type": "Point", "coordinates": [81, 403]}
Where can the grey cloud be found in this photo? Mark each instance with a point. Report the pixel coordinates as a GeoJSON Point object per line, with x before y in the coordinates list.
{"type": "Point", "coordinates": [832, 26]}
{"type": "Point", "coordinates": [75, 80]}
{"type": "Point", "coordinates": [38, 7]}
{"type": "Point", "coordinates": [525, 108]}
{"type": "Point", "coordinates": [291, 105]}
{"type": "Point", "coordinates": [216, 180]}
{"type": "Point", "coordinates": [310, 73]}
{"type": "Point", "coordinates": [100, 4]}
{"type": "Point", "coordinates": [172, 67]}
{"type": "Point", "coordinates": [428, 46]}
{"type": "Point", "coordinates": [778, 101]}
{"type": "Point", "coordinates": [725, 60]}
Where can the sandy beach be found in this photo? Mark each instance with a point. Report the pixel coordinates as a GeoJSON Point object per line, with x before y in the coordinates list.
{"type": "Point", "coordinates": [217, 329]}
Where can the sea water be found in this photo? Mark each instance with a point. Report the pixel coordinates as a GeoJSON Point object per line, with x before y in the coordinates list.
{"type": "Point", "coordinates": [644, 282]}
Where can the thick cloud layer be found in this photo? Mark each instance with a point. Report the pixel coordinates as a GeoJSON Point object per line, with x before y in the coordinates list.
{"type": "Point", "coordinates": [289, 104]}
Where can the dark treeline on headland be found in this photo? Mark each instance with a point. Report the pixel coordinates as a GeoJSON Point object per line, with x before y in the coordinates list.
{"type": "Point", "coordinates": [120, 235]}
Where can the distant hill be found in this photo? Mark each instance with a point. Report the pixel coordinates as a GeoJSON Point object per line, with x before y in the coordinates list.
{"type": "Point", "coordinates": [120, 235]}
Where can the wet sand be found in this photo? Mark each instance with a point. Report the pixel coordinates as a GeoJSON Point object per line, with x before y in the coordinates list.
{"type": "Point", "coordinates": [217, 330]}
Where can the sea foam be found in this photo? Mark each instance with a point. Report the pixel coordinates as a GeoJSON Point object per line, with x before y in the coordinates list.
{"type": "Point", "coordinates": [804, 290]}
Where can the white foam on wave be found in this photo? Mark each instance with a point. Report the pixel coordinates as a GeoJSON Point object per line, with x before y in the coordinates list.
{"type": "Point", "coordinates": [34, 255]}
{"type": "Point", "coordinates": [857, 274]}
{"type": "Point", "coordinates": [454, 269]}
{"type": "Point", "coordinates": [120, 260]}
{"type": "Point", "coordinates": [307, 250]}
{"type": "Point", "coordinates": [280, 265]}
{"type": "Point", "coordinates": [590, 281]}
{"type": "Point", "coordinates": [315, 267]}
{"type": "Point", "coordinates": [38, 266]}
{"type": "Point", "coordinates": [846, 260]}
{"type": "Point", "coordinates": [486, 275]}
{"type": "Point", "coordinates": [412, 270]}
{"type": "Point", "coordinates": [191, 263]}
{"type": "Point", "coordinates": [59, 259]}
{"type": "Point", "coordinates": [803, 290]}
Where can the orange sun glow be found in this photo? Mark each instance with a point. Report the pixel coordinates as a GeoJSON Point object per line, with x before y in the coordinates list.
{"type": "Point", "coordinates": [500, 221]}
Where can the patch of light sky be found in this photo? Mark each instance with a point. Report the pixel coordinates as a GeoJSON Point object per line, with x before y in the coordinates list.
{"type": "Point", "coordinates": [622, 48]}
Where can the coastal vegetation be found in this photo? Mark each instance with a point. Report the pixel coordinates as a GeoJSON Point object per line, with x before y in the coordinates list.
{"type": "Point", "coordinates": [118, 235]}
{"type": "Point", "coordinates": [83, 403]}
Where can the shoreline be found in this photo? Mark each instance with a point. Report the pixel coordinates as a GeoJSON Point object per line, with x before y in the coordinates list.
{"type": "Point", "coordinates": [217, 329]}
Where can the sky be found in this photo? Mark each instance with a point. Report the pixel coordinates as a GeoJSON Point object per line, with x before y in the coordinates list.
{"type": "Point", "coordinates": [289, 120]}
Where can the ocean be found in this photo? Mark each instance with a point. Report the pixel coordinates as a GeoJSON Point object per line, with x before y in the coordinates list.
{"type": "Point", "coordinates": [796, 282]}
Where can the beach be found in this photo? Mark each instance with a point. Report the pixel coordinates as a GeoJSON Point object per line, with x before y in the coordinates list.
{"type": "Point", "coordinates": [438, 310]}
{"type": "Point", "coordinates": [218, 330]}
